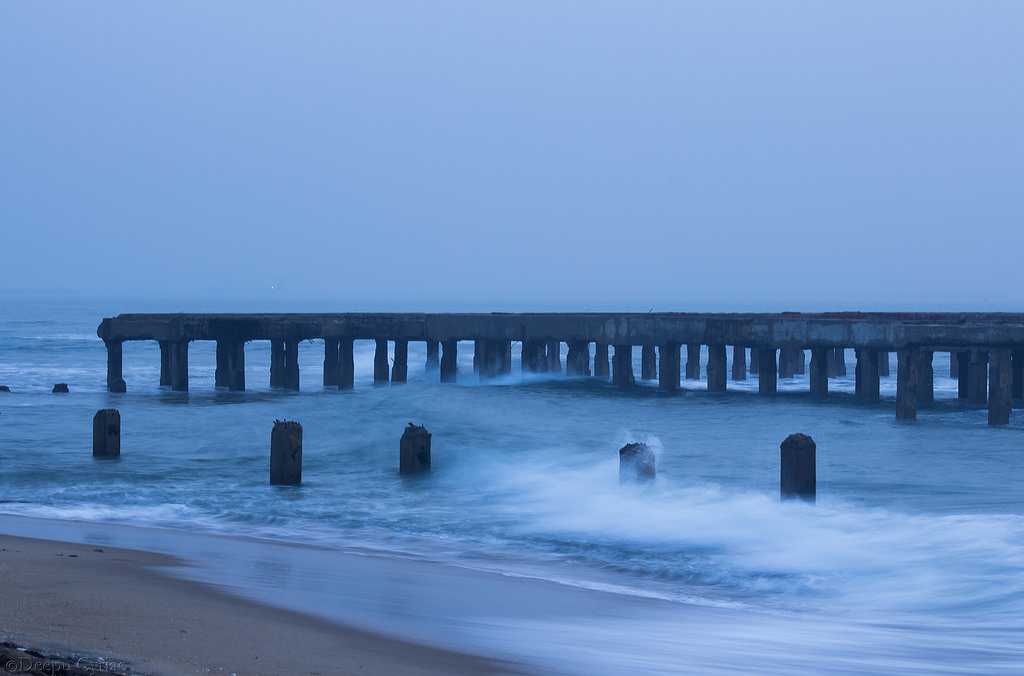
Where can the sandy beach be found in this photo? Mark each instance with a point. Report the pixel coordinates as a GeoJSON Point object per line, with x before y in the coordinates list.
{"type": "Point", "coordinates": [76, 600]}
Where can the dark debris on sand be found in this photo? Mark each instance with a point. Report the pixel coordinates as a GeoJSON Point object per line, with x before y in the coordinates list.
{"type": "Point", "coordinates": [15, 659]}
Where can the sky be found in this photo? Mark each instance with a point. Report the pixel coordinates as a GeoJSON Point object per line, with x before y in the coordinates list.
{"type": "Point", "coordinates": [516, 155]}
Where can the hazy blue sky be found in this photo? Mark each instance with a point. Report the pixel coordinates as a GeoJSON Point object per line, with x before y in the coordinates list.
{"type": "Point", "coordinates": [521, 154]}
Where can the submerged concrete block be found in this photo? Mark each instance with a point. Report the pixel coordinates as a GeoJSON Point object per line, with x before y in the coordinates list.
{"type": "Point", "coordinates": [60, 388]}
{"type": "Point", "coordinates": [106, 433]}
{"type": "Point", "coordinates": [798, 468]}
{"type": "Point", "coordinates": [5, 388]}
{"type": "Point", "coordinates": [414, 450]}
{"type": "Point", "coordinates": [636, 463]}
{"type": "Point", "coordinates": [286, 453]}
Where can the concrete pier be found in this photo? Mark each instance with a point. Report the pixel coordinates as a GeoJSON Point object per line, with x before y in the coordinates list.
{"type": "Point", "coordinates": [601, 369]}
{"type": "Point", "coordinates": [867, 385]}
{"type": "Point", "coordinates": [554, 356]}
{"type": "Point", "coordinates": [717, 373]}
{"type": "Point", "coordinates": [907, 361]}
{"type": "Point", "coordinates": [179, 365]}
{"type": "Point", "coordinates": [789, 361]}
{"type": "Point", "coordinates": [276, 363]}
{"type": "Point", "coordinates": [648, 362]}
{"type": "Point", "coordinates": [669, 368]}
{"type": "Point", "coordinates": [1017, 368]}
{"type": "Point", "coordinates": [739, 362]}
{"type": "Point", "coordinates": [767, 371]}
{"type": "Point", "coordinates": [506, 357]}
{"type": "Point", "coordinates": [755, 363]}
{"type": "Point", "coordinates": [883, 364]}
{"type": "Point", "coordinates": [286, 453]}
{"type": "Point", "coordinates": [414, 450]}
{"type": "Point", "coordinates": [534, 356]}
{"type": "Point", "coordinates": [433, 360]}
{"type": "Point", "coordinates": [449, 360]}
{"type": "Point", "coordinates": [106, 433]}
{"type": "Point", "coordinates": [622, 367]}
{"type": "Point", "coordinates": [693, 361]}
{"type": "Point", "coordinates": [954, 364]}
{"type": "Point", "coordinates": [346, 364]}
{"type": "Point", "coordinates": [165, 363]}
{"type": "Point", "coordinates": [798, 472]}
{"type": "Point", "coordinates": [380, 362]}
{"type": "Point", "coordinates": [837, 363]}
{"type": "Point", "coordinates": [332, 362]}
{"type": "Point", "coordinates": [977, 377]}
{"type": "Point", "coordinates": [400, 368]}
{"type": "Point", "coordinates": [115, 375]}
{"type": "Point", "coordinates": [819, 372]}
{"type": "Point", "coordinates": [800, 361]}
{"type": "Point", "coordinates": [577, 361]}
{"type": "Point", "coordinates": [925, 379]}
{"type": "Point", "coordinates": [291, 364]}
{"type": "Point", "coordinates": [1000, 381]}
{"type": "Point", "coordinates": [963, 386]}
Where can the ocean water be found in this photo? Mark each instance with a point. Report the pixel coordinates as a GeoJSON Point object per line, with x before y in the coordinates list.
{"type": "Point", "coordinates": [911, 561]}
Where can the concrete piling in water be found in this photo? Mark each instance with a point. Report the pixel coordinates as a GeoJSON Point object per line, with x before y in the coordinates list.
{"type": "Point", "coordinates": [106, 433]}
{"type": "Point", "coordinates": [477, 348]}
{"type": "Point", "coordinates": [277, 363]}
{"type": "Point", "coordinates": [622, 367]}
{"type": "Point", "coordinates": [1000, 377]}
{"type": "Point", "coordinates": [220, 374]}
{"type": "Point", "coordinates": [433, 362]}
{"type": "Point", "coordinates": [867, 384]}
{"type": "Point", "coordinates": [286, 453]}
{"type": "Point", "coordinates": [693, 361]}
{"type": "Point", "coordinates": [380, 362]}
{"type": "Point", "coordinates": [767, 371]}
{"type": "Point", "coordinates": [332, 362]}
{"type": "Point", "coordinates": [1017, 368]}
{"type": "Point", "coordinates": [577, 361]}
{"type": "Point", "coordinates": [787, 363]}
{"type": "Point", "coordinates": [230, 371]}
{"type": "Point", "coordinates": [506, 357]}
{"type": "Point", "coordinates": [907, 362]}
{"type": "Point", "coordinates": [954, 364]}
{"type": "Point", "coordinates": [837, 363]}
{"type": "Point", "coordinates": [800, 361]}
{"type": "Point", "coordinates": [554, 356]}
{"type": "Point", "coordinates": [648, 362]}
{"type": "Point", "coordinates": [977, 380]}
{"type": "Point", "coordinates": [291, 364]}
{"type": "Point", "coordinates": [400, 369]}
{"type": "Point", "coordinates": [798, 473]}
{"type": "Point", "coordinates": [60, 388]}
{"type": "Point", "coordinates": [925, 378]}
{"type": "Point", "coordinates": [668, 369]}
{"type": "Point", "coordinates": [346, 364]}
{"type": "Point", "coordinates": [601, 369]}
{"type": "Point", "coordinates": [739, 362]}
{"type": "Point", "coordinates": [179, 366]}
{"type": "Point", "coordinates": [819, 372]}
{"type": "Point", "coordinates": [755, 365]}
{"type": "Point", "coordinates": [115, 375]}
{"type": "Point", "coordinates": [637, 463]}
{"type": "Point", "coordinates": [165, 363]}
{"type": "Point", "coordinates": [717, 374]}
{"type": "Point", "coordinates": [449, 360]}
{"type": "Point", "coordinates": [883, 364]}
{"type": "Point", "coordinates": [414, 450]}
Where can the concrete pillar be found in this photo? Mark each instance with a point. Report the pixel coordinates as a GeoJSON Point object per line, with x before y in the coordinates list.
{"type": "Point", "coordinates": [234, 367]}
{"type": "Point", "coordinates": [400, 368]}
{"type": "Point", "coordinates": [883, 364]}
{"type": "Point", "coordinates": [636, 464]}
{"type": "Point", "coordinates": [755, 365]}
{"type": "Point", "coordinates": [380, 362]}
{"type": "Point", "coordinates": [106, 433]}
{"type": "Point", "coordinates": [963, 363]}
{"type": "Point", "coordinates": [554, 356]}
{"type": "Point", "coordinates": [717, 373]}
{"type": "Point", "coordinates": [477, 349]}
{"type": "Point", "coordinates": [1000, 381]}
{"type": "Point", "coordinates": [291, 364]}
{"type": "Point", "coordinates": [668, 369]}
{"type": "Point", "coordinates": [819, 372]}
{"type": "Point", "coordinates": [577, 361]}
{"type": "Point", "coordinates": [414, 450]}
{"type": "Point", "coordinates": [925, 379]}
{"type": "Point", "coordinates": [286, 453]}
{"type": "Point", "coordinates": [179, 365]}
{"type": "Point", "coordinates": [332, 361]}
{"type": "Point", "coordinates": [739, 362]}
{"type": "Point", "coordinates": [799, 361]}
{"type": "Point", "coordinates": [767, 371]}
{"type": "Point", "coordinates": [534, 356]}
{"type": "Point", "coordinates": [787, 362]}
{"type": "Point", "coordinates": [432, 355]}
{"type": "Point", "coordinates": [954, 370]}
{"type": "Point", "coordinates": [867, 386]}
{"type": "Point", "coordinates": [648, 362]}
{"type": "Point", "coordinates": [277, 363]}
{"type": "Point", "coordinates": [601, 360]}
{"type": "Point", "coordinates": [622, 368]}
{"type": "Point", "coordinates": [907, 361]}
{"type": "Point", "coordinates": [837, 363]}
{"type": "Point", "coordinates": [798, 472]}
{"type": "Point", "coordinates": [346, 364]}
{"type": "Point", "coordinates": [165, 363]}
{"type": "Point", "coordinates": [506, 357]}
{"type": "Point", "coordinates": [693, 361]}
{"type": "Point", "coordinates": [977, 386]}
{"type": "Point", "coordinates": [115, 375]}
{"type": "Point", "coordinates": [1017, 366]}
{"type": "Point", "coordinates": [489, 358]}
{"type": "Point", "coordinates": [220, 373]}
{"type": "Point", "coordinates": [449, 360]}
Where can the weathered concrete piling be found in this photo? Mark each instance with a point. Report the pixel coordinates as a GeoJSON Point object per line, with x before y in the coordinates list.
{"type": "Point", "coordinates": [739, 362]}
{"type": "Point", "coordinates": [622, 367]}
{"type": "Point", "coordinates": [716, 368]}
{"type": "Point", "coordinates": [648, 362]}
{"type": "Point", "coordinates": [601, 369]}
{"type": "Point", "coordinates": [432, 355]}
{"type": "Point", "coordinates": [819, 372]}
{"type": "Point", "coordinates": [332, 362]}
{"type": "Point", "coordinates": [1000, 398]}
{"type": "Point", "coordinates": [693, 361]}
{"type": "Point", "coordinates": [907, 362]}
{"type": "Point", "coordinates": [380, 362]}
{"type": "Point", "coordinates": [60, 388]}
{"type": "Point", "coordinates": [115, 377]}
{"type": "Point", "coordinates": [798, 474]}
{"type": "Point", "coordinates": [286, 453]}
{"type": "Point", "coordinates": [767, 371]}
{"type": "Point", "coordinates": [414, 450]}
{"type": "Point", "coordinates": [636, 463]}
{"type": "Point", "coordinates": [400, 368]}
{"type": "Point", "coordinates": [668, 369]}
{"type": "Point", "coordinates": [577, 361]}
{"type": "Point", "coordinates": [106, 433]}
{"type": "Point", "coordinates": [867, 383]}
{"type": "Point", "coordinates": [346, 364]}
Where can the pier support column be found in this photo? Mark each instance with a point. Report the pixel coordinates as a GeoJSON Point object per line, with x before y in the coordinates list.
{"type": "Point", "coordinates": [449, 360]}
{"type": "Point", "coordinates": [799, 361]}
{"type": "Point", "coordinates": [234, 365]}
{"type": "Point", "coordinates": [963, 369]}
{"type": "Point", "coordinates": [332, 363]}
{"type": "Point", "coordinates": [767, 371]}
{"type": "Point", "coordinates": [179, 366]}
{"type": "Point", "coordinates": [755, 365]}
{"type": "Point", "coordinates": [601, 360]}
{"type": "Point", "coordinates": [276, 363]}
{"type": "Point", "coordinates": [554, 356]}
{"type": "Point", "coordinates": [534, 358]}
{"type": "Point", "coordinates": [106, 433]}
{"type": "Point", "coordinates": [291, 364]}
{"type": "Point", "coordinates": [478, 347]}
{"type": "Point", "coordinates": [380, 362]}
{"type": "Point", "coordinates": [220, 373]}
{"type": "Point", "coordinates": [622, 368]}
{"type": "Point", "coordinates": [286, 453]}
{"type": "Point", "coordinates": [739, 362]}
{"type": "Point", "coordinates": [977, 385]}
{"type": "Point", "coordinates": [346, 364]}
{"type": "Point", "coordinates": [577, 361]}
{"type": "Point", "coordinates": [1017, 366]}
{"type": "Point", "coordinates": [925, 379]}
{"type": "Point", "coordinates": [432, 355]}
{"type": "Point", "coordinates": [883, 364]}
{"type": "Point", "coordinates": [400, 369]}
{"type": "Point", "coordinates": [648, 362]}
{"type": "Point", "coordinates": [954, 364]}
{"type": "Point", "coordinates": [717, 373]}
{"type": "Point", "coordinates": [506, 357]}
{"type": "Point", "coordinates": [668, 369]}
{"type": "Point", "coordinates": [867, 386]}
{"type": "Point", "coordinates": [693, 361]}
{"type": "Point", "coordinates": [819, 372]}
{"type": "Point", "coordinates": [115, 374]}
{"type": "Point", "coordinates": [837, 363]}
{"type": "Point", "coordinates": [907, 361]}
{"type": "Point", "coordinates": [165, 363]}
{"type": "Point", "coordinates": [1000, 377]}
{"type": "Point", "coordinates": [787, 362]}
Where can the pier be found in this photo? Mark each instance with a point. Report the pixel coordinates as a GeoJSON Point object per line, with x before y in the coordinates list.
{"type": "Point", "coordinates": [986, 349]}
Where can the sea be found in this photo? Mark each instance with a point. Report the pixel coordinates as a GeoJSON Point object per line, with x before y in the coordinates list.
{"type": "Point", "coordinates": [910, 561]}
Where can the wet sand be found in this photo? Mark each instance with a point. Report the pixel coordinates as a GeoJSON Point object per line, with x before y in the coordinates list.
{"type": "Point", "coordinates": [74, 599]}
